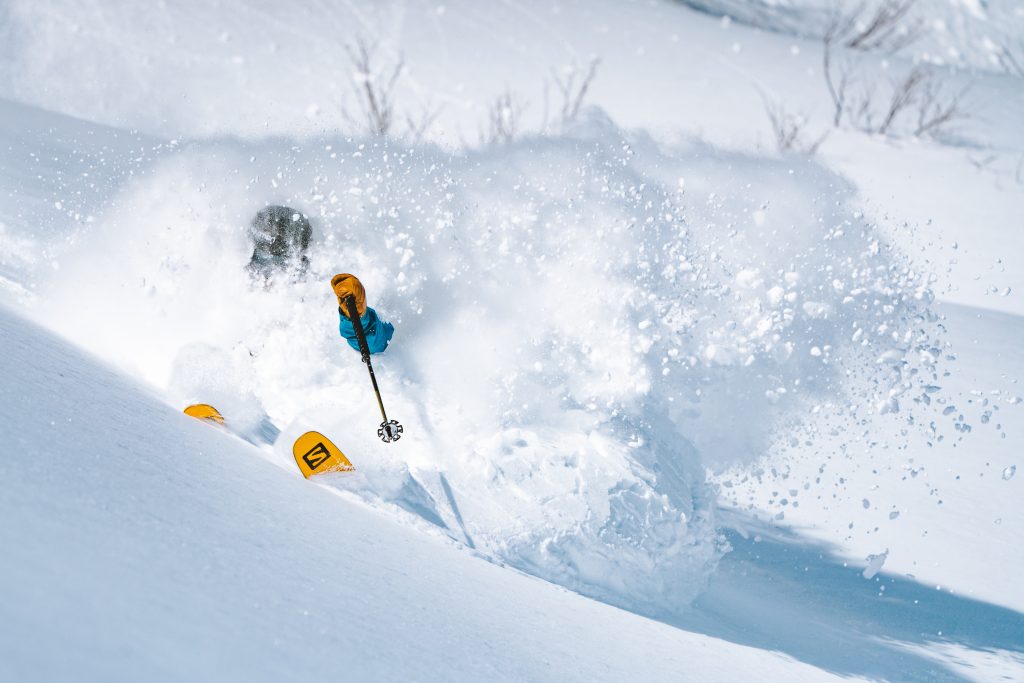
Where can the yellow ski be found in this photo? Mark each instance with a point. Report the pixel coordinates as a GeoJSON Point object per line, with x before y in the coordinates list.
{"type": "Point", "coordinates": [204, 411]}
{"type": "Point", "coordinates": [315, 454]}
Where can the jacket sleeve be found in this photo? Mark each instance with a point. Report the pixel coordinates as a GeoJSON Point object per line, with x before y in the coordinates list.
{"type": "Point", "coordinates": [378, 332]}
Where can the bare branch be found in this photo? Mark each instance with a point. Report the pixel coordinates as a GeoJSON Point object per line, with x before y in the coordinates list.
{"type": "Point", "coordinates": [890, 26]}
{"type": "Point", "coordinates": [503, 119]}
{"type": "Point", "coordinates": [374, 89]}
{"type": "Point", "coordinates": [837, 80]}
{"type": "Point", "coordinates": [545, 113]}
{"type": "Point", "coordinates": [937, 111]}
{"type": "Point", "coordinates": [789, 130]}
{"type": "Point", "coordinates": [1011, 64]}
{"type": "Point", "coordinates": [418, 125]}
{"type": "Point", "coordinates": [982, 163]}
{"type": "Point", "coordinates": [573, 87]}
{"type": "Point", "coordinates": [376, 85]}
{"type": "Point", "coordinates": [904, 94]}
{"type": "Point", "coordinates": [842, 23]}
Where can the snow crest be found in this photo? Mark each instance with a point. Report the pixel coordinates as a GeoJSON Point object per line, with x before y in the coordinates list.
{"type": "Point", "coordinates": [585, 323]}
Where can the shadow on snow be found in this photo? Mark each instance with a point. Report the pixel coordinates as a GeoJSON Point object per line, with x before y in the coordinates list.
{"type": "Point", "coordinates": [779, 591]}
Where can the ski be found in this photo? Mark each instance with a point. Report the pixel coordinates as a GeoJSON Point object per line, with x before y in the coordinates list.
{"type": "Point", "coordinates": [315, 454]}
{"type": "Point", "coordinates": [205, 412]}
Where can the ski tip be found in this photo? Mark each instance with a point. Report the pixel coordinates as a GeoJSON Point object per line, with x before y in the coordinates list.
{"type": "Point", "coordinates": [315, 454]}
{"type": "Point", "coordinates": [204, 411]}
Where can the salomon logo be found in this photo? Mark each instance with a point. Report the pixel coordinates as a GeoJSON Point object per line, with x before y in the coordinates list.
{"type": "Point", "coordinates": [317, 456]}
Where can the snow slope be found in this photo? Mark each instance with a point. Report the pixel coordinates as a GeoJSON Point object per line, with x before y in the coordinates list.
{"type": "Point", "coordinates": [149, 545]}
{"type": "Point", "coordinates": [142, 544]}
{"type": "Point", "coordinates": [966, 33]}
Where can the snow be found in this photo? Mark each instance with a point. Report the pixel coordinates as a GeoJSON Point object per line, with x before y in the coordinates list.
{"type": "Point", "coordinates": [613, 432]}
{"type": "Point", "coordinates": [184, 555]}
{"type": "Point", "coordinates": [771, 402]}
{"type": "Point", "coordinates": [875, 564]}
{"type": "Point", "coordinates": [949, 493]}
{"type": "Point", "coordinates": [964, 33]}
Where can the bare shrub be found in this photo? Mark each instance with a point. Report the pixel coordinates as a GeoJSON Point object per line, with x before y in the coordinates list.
{"type": "Point", "coordinates": [504, 119]}
{"type": "Point", "coordinates": [889, 28]}
{"type": "Point", "coordinates": [505, 113]}
{"type": "Point", "coordinates": [862, 109]}
{"type": "Point", "coordinates": [918, 103]}
{"type": "Point", "coordinates": [376, 87]}
{"type": "Point", "coordinates": [790, 130]}
{"type": "Point", "coordinates": [838, 79]}
{"type": "Point", "coordinates": [573, 85]}
{"type": "Point", "coordinates": [904, 94]}
{"type": "Point", "coordinates": [1010, 62]}
{"type": "Point", "coordinates": [937, 109]}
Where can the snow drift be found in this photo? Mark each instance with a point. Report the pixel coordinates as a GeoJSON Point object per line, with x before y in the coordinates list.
{"type": "Point", "coordinates": [584, 324]}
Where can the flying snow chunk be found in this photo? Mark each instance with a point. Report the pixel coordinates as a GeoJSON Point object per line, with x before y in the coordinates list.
{"type": "Point", "coordinates": [749, 278]}
{"type": "Point", "coordinates": [891, 357]}
{"type": "Point", "coordinates": [875, 563]}
{"type": "Point", "coordinates": [817, 309]}
{"type": "Point", "coordinates": [1009, 472]}
{"type": "Point", "coordinates": [887, 405]}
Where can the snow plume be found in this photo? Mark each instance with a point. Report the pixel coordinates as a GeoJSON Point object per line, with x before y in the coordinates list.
{"type": "Point", "coordinates": [584, 324]}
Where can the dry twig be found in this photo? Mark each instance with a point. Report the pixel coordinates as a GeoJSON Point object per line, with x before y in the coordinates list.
{"type": "Point", "coordinates": [889, 28]}
{"type": "Point", "coordinates": [374, 89]}
{"type": "Point", "coordinates": [937, 111]}
{"type": "Point", "coordinates": [503, 119]}
{"type": "Point", "coordinates": [790, 130]}
{"type": "Point", "coordinates": [573, 87]}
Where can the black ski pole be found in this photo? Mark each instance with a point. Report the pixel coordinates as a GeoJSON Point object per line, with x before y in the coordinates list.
{"type": "Point", "coordinates": [390, 430]}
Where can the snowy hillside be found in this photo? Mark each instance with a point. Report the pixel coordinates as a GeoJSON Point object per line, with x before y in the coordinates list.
{"type": "Point", "coordinates": [982, 34]}
{"type": "Point", "coordinates": [185, 555]}
{"type": "Point", "coordinates": [767, 398]}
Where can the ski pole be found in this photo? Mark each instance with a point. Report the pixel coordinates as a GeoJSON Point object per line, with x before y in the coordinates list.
{"type": "Point", "coordinates": [390, 430]}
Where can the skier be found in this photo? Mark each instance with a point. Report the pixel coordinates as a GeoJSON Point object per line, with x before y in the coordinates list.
{"type": "Point", "coordinates": [280, 237]}
{"type": "Point", "coordinates": [378, 333]}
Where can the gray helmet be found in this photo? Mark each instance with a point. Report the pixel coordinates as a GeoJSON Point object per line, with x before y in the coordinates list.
{"type": "Point", "coordinates": [280, 237]}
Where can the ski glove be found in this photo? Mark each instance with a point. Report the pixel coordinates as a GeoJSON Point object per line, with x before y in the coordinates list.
{"type": "Point", "coordinates": [346, 285]}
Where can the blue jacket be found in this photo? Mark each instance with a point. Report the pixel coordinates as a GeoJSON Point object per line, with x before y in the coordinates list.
{"type": "Point", "coordinates": [378, 332]}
